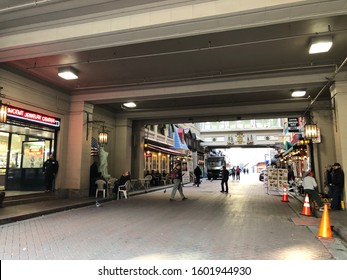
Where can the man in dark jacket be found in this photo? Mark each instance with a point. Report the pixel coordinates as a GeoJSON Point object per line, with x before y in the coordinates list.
{"type": "Point", "coordinates": [225, 178]}
{"type": "Point", "coordinates": [50, 169]}
{"type": "Point", "coordinates": [197, 173]}
{"type": "Point", "coordinates": [338, 179]}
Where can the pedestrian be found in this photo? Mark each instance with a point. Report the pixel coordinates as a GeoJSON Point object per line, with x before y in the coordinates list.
{"type": "Point", "coordinates": [197, 173]}
{"type": "Point", "coordinates": [328, 177]}
{"type": "Point", "coordinates": [2, 197]}
{"type": "Point", "coordinates": [238, 171]}
{"type": "Point", "coordinates": [50, 169]}
{"type": "Point", "coordinates": [233, 173]}
{"type": "Point", "coordinates": [309, 183]}
{"type": "Point", "coordinates": [176, 175]}
{"type": "Point", "coordinates": [93, 176]}
{"type": "Point", "coordinates": [338, 179]}
{"type": "Point", "coordinates": [291, 176]}
{"type": "Point", "coordinates": [225, 178]}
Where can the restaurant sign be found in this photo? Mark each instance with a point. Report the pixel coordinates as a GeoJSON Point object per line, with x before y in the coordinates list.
{"type": "Point", "coordinates": [22, 114]}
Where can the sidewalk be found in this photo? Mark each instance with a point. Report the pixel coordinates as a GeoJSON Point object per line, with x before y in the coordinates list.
{"type": "Point", "coordinates": [338, 220]}
{"type": "Point", "coordinates": [10, 214]}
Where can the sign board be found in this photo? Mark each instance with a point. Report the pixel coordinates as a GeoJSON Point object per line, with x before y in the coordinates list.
{"type": "Point", "coordinates": [293, 124]}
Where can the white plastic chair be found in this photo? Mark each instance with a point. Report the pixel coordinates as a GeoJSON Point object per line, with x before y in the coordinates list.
{"type": "Point", "coordinates": [147, 182]}
{"type": "Point", "coordinates": [100, 187]}
{"type": "Point", "coordinates": [123, 189]}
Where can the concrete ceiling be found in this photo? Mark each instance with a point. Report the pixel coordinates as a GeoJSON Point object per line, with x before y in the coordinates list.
{"type": "Point", "coordinates": [221, 67]}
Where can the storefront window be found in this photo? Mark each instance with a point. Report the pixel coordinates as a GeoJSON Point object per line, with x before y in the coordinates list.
{"type": "Point", "coordinates": [3, 158]}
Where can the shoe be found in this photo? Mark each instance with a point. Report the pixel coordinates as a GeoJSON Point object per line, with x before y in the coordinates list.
{"type": "Point", "coordinates": [184, 198]}
{"type": "Point", "coordinates": [172, 200]}
{"type": "Point", "coordinates": [226, 192]}
{"type": "Point", "coordinates": [221, 191]}
{"type": "Point", "coordinates": [321, 209]}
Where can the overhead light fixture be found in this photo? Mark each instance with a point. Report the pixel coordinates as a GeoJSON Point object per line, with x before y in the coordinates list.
{"type": "Point", "coordinates": [129, 105]}
{"type": "Point", "coordinates": [298, 93]}
{"type": "Point", "coordinates": [68, 73]}
{"type": "Point", "coordinates": [320, 44]}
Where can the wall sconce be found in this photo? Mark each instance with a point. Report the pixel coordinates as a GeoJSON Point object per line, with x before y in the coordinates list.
{"type": "Point", "coordinates": [320, 44]}
{"type": "Point", "coordinates": [310, 131]}
{"type": "Point", "coordinates": [3, 113]}
{"type": "Point", "coordinates": [310, 128]}
{"type": "Point", "coordinates": [103, 136]}
{"type": "Point", "coordinates": [68, 73]}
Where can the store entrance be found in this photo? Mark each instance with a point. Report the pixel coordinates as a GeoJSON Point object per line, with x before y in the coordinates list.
{"type": "Point", "coordinates": [21, 161]}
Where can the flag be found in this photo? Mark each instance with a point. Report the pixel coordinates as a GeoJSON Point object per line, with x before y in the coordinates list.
{"type": "Point", "coordinates": [94, 147]}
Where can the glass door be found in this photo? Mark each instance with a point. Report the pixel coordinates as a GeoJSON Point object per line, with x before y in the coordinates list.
{"type": "Point", "coordinates": [3, 158]}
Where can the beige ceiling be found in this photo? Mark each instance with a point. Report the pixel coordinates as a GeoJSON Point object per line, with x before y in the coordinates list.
{"type": "Point", "coordinates": [232, 65]}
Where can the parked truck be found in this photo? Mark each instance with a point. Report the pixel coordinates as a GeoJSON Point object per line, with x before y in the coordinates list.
{"type": "Point", "coordinates": [214, 166]}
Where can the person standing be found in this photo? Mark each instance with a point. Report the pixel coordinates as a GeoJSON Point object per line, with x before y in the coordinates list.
{"type": "Point", "coordinates": [225, 178]}
{"type": "Point", "coordinates": [50, 169]}
{"type": "Point", "coordinates": [338, 180]}
{"type": "Point", "coordinates": [197, 173]}
{"type": "Point", "coordinates": [233, 173]}
{"type": "Point", "coordinates": [328, 180]}
{"type": "Point", "coordinates": [176, 175]}
{"type": "Point", "coordinates": [238, 171]}
{"type": "Point", "coordinates": [309, 183]}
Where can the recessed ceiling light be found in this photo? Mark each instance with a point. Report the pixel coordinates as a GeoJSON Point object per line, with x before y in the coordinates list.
{"type": "Point", "coordinates": [320, 44]}
{"type": "Point", "coordinates": [298, 93]}
{"type": "Point", "coordinates": [68, 73]}
{"type": "Point", "coordinates": [129, 104]}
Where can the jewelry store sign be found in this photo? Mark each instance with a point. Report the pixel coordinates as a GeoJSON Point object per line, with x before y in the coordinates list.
{"type": "Point", "coordinates": [22, 114]}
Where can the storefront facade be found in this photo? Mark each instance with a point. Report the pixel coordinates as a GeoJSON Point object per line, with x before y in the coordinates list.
{"type": "Point", "coordinates": [26, 140]}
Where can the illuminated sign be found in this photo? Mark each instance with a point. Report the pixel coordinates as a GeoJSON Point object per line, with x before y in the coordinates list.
{"type": "Point", "coordinates": [22, 114]}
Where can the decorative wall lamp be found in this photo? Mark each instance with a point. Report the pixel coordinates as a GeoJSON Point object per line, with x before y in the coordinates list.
{"type": "Point", "coordinates": [310, 128]}
{"type": "Point", "coordinates": [103, 136]}
{"type": "Point", "coordinates": [3, 113]}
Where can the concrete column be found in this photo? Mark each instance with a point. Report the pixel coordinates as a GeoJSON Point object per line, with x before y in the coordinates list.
{"type": "Point", "coordinates": [78, 150]}
{"type": "Point", "coordinates": [138, 157]}
{"type": "Point", "coordinates": [339, 103]}
{"type": "Point", "coordinates": [323, 150]}
{"type": "Point", "coordinates": [123, 149]}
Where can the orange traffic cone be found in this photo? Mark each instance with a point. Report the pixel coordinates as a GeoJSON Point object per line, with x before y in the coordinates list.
{"type": "Point", "coordinates": [306, 210]}
{"type": "Point", "coordinates": [325, 228]}
{"type": "Point", "coordinates": [285, 194]}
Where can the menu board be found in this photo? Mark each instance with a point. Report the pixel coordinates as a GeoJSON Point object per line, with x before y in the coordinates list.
{"type": "Point", "coordinates": [277, 178]}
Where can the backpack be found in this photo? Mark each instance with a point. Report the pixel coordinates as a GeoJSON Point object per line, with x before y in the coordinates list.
{"type": "Point", "coordinates": [174, 174]}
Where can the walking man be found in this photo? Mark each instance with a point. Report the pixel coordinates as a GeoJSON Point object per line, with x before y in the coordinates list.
{"type": "Point", "coordinates": [176, 176]}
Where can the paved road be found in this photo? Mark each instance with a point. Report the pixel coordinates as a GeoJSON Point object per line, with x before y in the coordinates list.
{"type": "Point", "coordinates": [246, 224]}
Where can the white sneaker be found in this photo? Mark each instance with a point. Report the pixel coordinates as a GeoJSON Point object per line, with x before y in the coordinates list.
{"type": "Point", "coordinates": [321, 209]}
